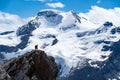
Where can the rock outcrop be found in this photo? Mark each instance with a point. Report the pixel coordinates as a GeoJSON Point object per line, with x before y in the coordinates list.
{"type": "Point", "coordinates": [3, 74]}
{"type": "Point", "coordinates": [34, 65]}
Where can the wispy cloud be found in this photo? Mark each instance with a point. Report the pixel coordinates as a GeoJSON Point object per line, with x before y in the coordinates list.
{"type": "Point", "coordinates": [99, 1]}
{"type": "Point", "coordinates": [37, 0]}
{"type": "Point", "coordinates": [41, 0]}
{"type": "Point", "coordinates": [11, 22]}
{"type": "Point", "coordinates": [99, 15]}
{"type": "Point", "coordinates": [46, 0]}
{"type": "Point", "coordinates": [56, 5]}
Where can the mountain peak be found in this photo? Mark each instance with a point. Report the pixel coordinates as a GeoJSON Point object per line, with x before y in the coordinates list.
{"type": "Point", "coordinates": [48, 12]}
{"type": "Point", "coordinates": [53, 10]}
{"type": "Point", "coordinates": [105, 27]}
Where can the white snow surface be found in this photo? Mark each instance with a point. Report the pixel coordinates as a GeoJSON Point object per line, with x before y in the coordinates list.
{"type": "Point", "coordinates": [9, 39]}
{"type": "Point", "coordinates": [69, 49]}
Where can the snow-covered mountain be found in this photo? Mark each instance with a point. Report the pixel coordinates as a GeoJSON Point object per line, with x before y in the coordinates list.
{"type": "Point", "coordinates": [83, 50]}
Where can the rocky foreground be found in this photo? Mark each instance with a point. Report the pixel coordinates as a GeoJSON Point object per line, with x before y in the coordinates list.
{"type": "Point", "coordinates": [34, 65]}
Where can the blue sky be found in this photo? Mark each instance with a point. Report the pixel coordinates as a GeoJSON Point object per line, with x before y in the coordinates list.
{"type": "Point", "coordinates": [27, 8]}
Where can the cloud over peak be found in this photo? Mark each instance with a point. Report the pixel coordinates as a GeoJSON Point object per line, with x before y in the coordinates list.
{"type": "Point", "coordinates": [9, 22]}
{"type": "Point", "coordinates": [99, 1]}
{"type": "Point", "coordinates": [100, 15]}
{"type": "Point", "coordinates": [56, 5]}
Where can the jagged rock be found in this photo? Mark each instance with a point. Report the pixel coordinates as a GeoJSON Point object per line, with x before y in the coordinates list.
{"type": "Point", "coordinates": [108, 23]}
{"type": "Point", "coordinates": [34, 65]}
{"type": "Point", "coordinates": [3, 74]}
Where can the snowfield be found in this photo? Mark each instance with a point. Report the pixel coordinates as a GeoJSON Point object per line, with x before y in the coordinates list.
{"type": "Point", "coordinates": [72, 40]}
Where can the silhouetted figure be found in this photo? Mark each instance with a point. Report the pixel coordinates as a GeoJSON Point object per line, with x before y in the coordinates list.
{"type": "Point", "coordinates": [36, 47]}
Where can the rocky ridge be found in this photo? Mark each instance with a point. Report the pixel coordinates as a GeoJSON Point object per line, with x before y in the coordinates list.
{"type": "Point", "coordinates": [34, 65]}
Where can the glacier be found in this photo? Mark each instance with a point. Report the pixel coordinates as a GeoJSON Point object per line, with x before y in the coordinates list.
{"type": "Point", "coordinates": [74, 41]}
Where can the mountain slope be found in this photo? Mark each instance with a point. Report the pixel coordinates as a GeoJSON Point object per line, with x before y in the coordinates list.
{"type": "Point", "coordinates": [74, 42]}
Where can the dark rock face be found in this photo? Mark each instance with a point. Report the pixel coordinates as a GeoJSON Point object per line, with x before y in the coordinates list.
{"type": "Point", "coordinates": [115, 30]}
{"type": "Point", "coordinates": [28, 28]}
{"type": "Point", "coordinates": [108, 24]}
{"type": "Point", "coordinates": [7, 32]}
{"type": "Point", "coordinates": [54, 41]}
{"type": "Point", "coordinates": [3, 74]}
{"type": "Point", "coordinates": [87, 73]}
{"type": "Point", "coordinates": [51, 16]}
{"type": "Point", "coordinates": [24, 42]}
{"type": "Point", "coordinates": [104, 28]}
{"type": "Point", "coordinates": [76, 16]}
{"type": "Point", "coordinates": [81, 34]}
{"type": "Point", "coordinates": [34, 65]}
{"type": "Point", "coordinates": [4, 48]}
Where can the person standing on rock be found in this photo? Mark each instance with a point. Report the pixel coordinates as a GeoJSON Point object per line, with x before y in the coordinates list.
{"type": "Point", "coordinates": [36, 47]}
